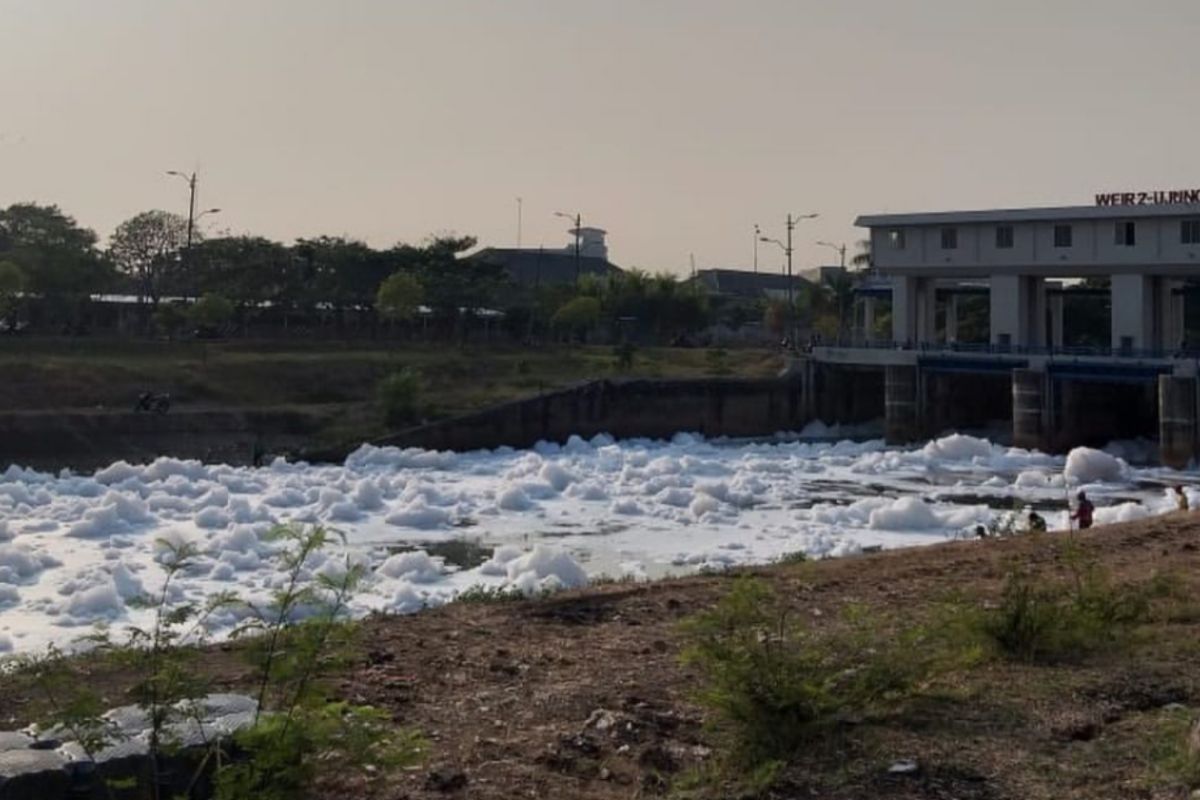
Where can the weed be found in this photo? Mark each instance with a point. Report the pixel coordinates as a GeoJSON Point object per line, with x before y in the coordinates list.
{"type": "Point", "coordinates": [1042, 620]}
{"type": "Point", "coordinates": [1175, 748]}
{"type": "Point", "coordinates": [399, 396]}
{"type": "Point", "coordinates": [777, 685]}
{"type": "Point", "coordinates": [793, 557]}
{"type": "Point", "coordinates": [480, 594]}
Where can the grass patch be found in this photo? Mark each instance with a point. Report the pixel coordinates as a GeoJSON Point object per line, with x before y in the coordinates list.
{"type": "Point", "coordinates": [1051, 620]}
{"type": "Point", "coordinates": [778, 685]}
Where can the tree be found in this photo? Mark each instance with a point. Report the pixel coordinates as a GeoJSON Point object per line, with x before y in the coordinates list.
{"type": "Point", "coordinates": [146, 247]}
{"type": "Point", "coordinates": [59, 259]}
{"type": "Point", "coordinates": [577, 315]}
{"type": "Point", "coordinates": [211, 312]}
{"type": "Point", "coordinates": [169, 318]}
{"type": "Point", "coordinates": [12, 284]}
{"type": "Point", "coordinates": [399, 297]}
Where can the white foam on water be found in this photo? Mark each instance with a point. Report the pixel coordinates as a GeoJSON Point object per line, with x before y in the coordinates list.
{"type": "Point", "coordinates": [76, 550]}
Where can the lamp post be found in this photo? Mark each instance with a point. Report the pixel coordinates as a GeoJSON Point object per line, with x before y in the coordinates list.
{"type": "Point", "coordinates": [792, 221]}
{"type": "Point", "coordinates": [757, 236]}
{"type": "Point", "coordinates": [841, 251]}
{"type": "Point", "coordinates": [193, 217]}
{"type": "Point", "coordinates": [578, 220]}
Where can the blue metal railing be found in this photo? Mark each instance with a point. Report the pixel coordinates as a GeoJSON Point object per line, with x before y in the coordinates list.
{"type": "Point", "coordinates": [992, 349]}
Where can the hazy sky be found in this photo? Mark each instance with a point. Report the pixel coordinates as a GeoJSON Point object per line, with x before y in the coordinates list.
{"type": "Point", "coordinates": [674, 124]}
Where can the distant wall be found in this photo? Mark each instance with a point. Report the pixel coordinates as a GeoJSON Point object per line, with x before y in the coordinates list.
{"type": "Point", "coordinates": [82, 440]}
{"type": "Point", "coordinates": [624, 408]}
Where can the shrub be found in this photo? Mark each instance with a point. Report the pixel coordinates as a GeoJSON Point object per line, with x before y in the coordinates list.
{"type": "Point", "coordinates": [298, 735]}
{"type": "Point", "coordinates": [211, 312]}
{"type": "Point", "coordinates": [1046, 620]}
{"type": "Point", "coordinates": [777, 685]}
{"type": "Point", "coordinates": [399, 395]}
{"type": "Point", "coordinates": [624, 355]}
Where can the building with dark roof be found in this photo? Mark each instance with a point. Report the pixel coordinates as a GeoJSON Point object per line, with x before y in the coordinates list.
{"type": "Point", "coordinates": [750, 285]}
{"type": "Point", "coordinates": [538, 266]}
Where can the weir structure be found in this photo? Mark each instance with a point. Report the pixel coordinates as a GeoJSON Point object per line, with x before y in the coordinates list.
{"type": "Point", "coordinates": [1066, 323]}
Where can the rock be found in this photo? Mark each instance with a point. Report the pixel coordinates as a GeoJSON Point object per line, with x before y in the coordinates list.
{"type": "Point", "coordinates": [14, 740]}
{"type": "Point", "coordinates": [658, 758]}
{"type": "Point", "coordinates": [33, 773]}
{"type": "Point", "coordinates": [904, 766]}
{"type": "Point", "coordinates": [446, 779]}
{"type": "Point", "coordinates": [604, 774]}
{"type": "Point", "coordinates": [601, 719]}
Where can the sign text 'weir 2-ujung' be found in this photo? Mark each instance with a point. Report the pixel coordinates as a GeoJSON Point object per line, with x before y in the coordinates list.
{"type": "Point", "coordinates": [1148, 198]}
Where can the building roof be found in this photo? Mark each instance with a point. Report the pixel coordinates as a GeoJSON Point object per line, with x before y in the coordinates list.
{"type": "Point", "coordinates": [534, 267]}
{"type": "Point", "coordinates": [1049, 214]}
{"type": "Point", "coordinates": [744, 283]}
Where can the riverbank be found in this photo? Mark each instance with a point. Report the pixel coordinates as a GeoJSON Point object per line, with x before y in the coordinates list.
{"type": "Point", "coordinates": [68, 403]}
{"type": "Point", "coordinates": [583, 694]}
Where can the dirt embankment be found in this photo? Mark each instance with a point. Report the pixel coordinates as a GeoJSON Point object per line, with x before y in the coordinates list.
{"type": "Point", "coordinates": [583, 695]}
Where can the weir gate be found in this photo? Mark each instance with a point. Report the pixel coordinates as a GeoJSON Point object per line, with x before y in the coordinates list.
{"type": "Point", "coordinates": [1069, 323]}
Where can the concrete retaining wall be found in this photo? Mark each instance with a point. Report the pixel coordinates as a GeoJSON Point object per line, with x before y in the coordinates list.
{"type": "Point", "coordinates": [83, 440]}
{"type": "Point", "coordinates": [624, 408]}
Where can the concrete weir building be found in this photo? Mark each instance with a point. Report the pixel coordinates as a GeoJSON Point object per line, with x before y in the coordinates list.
{"type": "Point", "coordinates": [1131, 257]}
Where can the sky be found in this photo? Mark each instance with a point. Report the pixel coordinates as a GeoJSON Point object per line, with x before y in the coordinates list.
{"type": "Point", "coordinates": [676, 125]}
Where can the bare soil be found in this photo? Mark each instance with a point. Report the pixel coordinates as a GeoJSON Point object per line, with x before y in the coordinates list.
{"type": "Point", "coordinates": [583, 695]}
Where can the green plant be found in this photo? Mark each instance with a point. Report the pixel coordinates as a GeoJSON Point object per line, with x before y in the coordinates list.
{"type": "Point", "coordinates": [298, 734]}
{"type": "Point", "coordinates": [624, 353]}
{"type": "Point", "coordinates": [399, 297]}
{"type": "Point", "coordinates": [301, 638]}
{"type": "Point", "coordinates": [480, 594]}
{"type": "Point", "coordinates": [718, 361]}
{"type": "Point", "coordinates": [1174, 747]}
{"type": "Point", "coordinates": [1043, 620]}
{"type": "Point", "coordinates": [777, 684]}
{"type": "Point", "coordinates": [793, 557]}
{"type": "Point", "coordinates": [212, 311]}
{"type": "Point", "coordinates": [399, 396]}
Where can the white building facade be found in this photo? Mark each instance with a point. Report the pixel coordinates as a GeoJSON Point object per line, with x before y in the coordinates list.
{"type": "Point", "coordinates": [1145, 251]}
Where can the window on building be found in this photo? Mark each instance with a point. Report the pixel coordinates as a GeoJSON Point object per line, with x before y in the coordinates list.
{"type": "Point", "coordinates": [1189, 231]}
{"type": "Point", "coordinates": [896, 238]}
{"type": "Point", "coordinates": [949, 238]}
{"type": "Point", "coordinates": [1125, 234]}
{"type": "Point", "coordinates": [1062, 235]}
{"type": "Point", "coordinates": [1004, 237]}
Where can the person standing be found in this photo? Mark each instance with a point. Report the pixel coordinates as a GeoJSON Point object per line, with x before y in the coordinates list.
{"type": "Point", "coordinates": [1084, 511]}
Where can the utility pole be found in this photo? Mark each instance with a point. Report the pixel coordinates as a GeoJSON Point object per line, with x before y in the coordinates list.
{"type": "Point", "coordinates": [757, 235]}
{"type": "Point", "coordinates": [841, 251]}
{"type": "Point", "coordinates": [192, 218]}
{"type": "Point", "coordinates": [578, 220]}
{"type": "Point", "coordinates": [792, 221]}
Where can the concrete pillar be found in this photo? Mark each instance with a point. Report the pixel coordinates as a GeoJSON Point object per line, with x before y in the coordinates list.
{"type": "Point", "coordinates": [1169, 313]}
{"type": "Point", "coordinates": [1132, 312]}
{"type": "Point", "coordinates": [1009, 310]}
{"type": "Point", "coordinates": [952, 318]}
{"type": "Point", "coordinates": [901, 411]}
{"type": "Point", "coordinates": [904, 324]}
{"type": "Point", "coordinates": [926, 312]}
{"type": "Point", "coordinates": [1029, 409]}
{"type": "Point", "coordinates": [1057, 305]}
{"type": "Point", "coordinates": [1176, 420]}
{"type": "Point", "coordinates": [868, 334]}
{"type": "Point", "coordinates": [1036, 326]}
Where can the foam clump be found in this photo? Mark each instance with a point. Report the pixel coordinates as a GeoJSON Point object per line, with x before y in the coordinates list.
{"type": "Point", "coordinates": [415, 566]}
{"type": "Point", "coordinates": [958, 447]}
{"type": "Point", "coordinates": [905, 513]}
{"type": "Point", "coordinates": [1085, 465]}
{"type": "Point", "coordinates": [545, 569]}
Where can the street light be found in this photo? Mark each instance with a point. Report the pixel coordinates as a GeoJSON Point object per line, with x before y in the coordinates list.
{"type": "Point", "coordinates": [578, 220]}
{"type": "Point", "coordinates": [193, 217]}
{"type": "Point", "coordinates": [792, 221]}
{"type": "Point", "coordinates": [757, 236]}
{"type": "Point", "coordinates": [840, 248]}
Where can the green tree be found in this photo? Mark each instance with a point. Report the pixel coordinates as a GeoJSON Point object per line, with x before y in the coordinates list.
{"type": "Point", "coordinates": [169, 319]}
{"type": "Point", "coordinates": [211, 312]}
{"type": "Point", "coordinates": [862, 258]}
{"type": "Point", "coordinates": [12, 284]}
{"type": "Point", "coordinates": [147, 248]}
{"type": "Point", "coordinates": [59, 258]}
{"type": "Point", "coordinates": [577, 316]}
{"type": "Point", "coordinates": [400, 297]}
